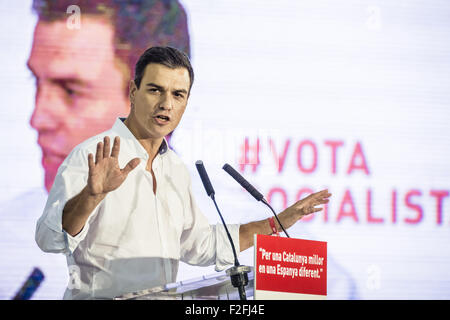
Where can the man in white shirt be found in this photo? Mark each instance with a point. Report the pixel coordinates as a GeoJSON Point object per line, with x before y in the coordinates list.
{"type": "Point", "coordinates": [125, 229]}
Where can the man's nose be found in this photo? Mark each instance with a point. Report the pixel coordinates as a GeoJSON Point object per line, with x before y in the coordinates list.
{"type": "Point", "coordinates": [166, 102]}
{"type": "Point", "coordinates": [47, 108]}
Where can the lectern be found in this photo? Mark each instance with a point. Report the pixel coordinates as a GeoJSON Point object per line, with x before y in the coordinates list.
{"type": "Point", "coordinates": [215, 286]}
{"type": "Point", "coordinates": [285, 268]}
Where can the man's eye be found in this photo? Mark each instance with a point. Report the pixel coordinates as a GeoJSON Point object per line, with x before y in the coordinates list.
{"type": "Point", "coordinates": [153, 90]}
{"type": "Point", "coordinates": [69, 91]}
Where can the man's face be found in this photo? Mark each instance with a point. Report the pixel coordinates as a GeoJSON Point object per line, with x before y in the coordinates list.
{"type": "Point", "coordinates": [79, 87]}
{"type": "Point", "coordinates": [160, 101]}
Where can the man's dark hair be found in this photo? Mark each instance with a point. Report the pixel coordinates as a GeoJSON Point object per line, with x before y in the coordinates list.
{"type": "Point", "coordinates": [138, 24]}
{"type": "Point", "coordinates": [167, 56]}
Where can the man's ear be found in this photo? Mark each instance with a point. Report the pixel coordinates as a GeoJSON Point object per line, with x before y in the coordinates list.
{"type": "Point", "coordinates": [133, 89]}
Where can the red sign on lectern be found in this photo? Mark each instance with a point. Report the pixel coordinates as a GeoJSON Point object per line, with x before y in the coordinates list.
{"type": "Point", "coordinates": [287, 268]}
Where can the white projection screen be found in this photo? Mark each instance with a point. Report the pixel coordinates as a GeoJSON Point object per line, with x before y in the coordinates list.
{"type": "Point", "coordinates": [298, 96]}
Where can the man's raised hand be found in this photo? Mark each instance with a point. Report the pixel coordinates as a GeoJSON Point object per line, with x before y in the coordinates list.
{"type": "Point", "coordinates": [105, 174]}
{"type": "Point", "coordinates": [308, 205]}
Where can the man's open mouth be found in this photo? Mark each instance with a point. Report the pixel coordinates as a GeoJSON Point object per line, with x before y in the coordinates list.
{"type": "Point", "coordinates": [163, 117]}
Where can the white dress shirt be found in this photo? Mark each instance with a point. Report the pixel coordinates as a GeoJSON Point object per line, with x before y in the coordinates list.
{"type": "Point", "coordinates": [133, 239]}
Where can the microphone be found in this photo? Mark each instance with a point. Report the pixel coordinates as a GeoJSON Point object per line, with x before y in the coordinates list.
{"type": "Point", "coordinates": [205, 179]}
{"type": "Point", "coordinates": [244, 183]}
{"type": "Point", "coordinates": [255, 193]}
{"type": "Point", "coordinates": [238, 273]}
{"type": "Point", "coordinates": [30, 285]}
{"type": "Point", "coordinates": [210, 192]}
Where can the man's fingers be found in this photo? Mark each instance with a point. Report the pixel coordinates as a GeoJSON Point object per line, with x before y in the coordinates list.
{"type": "Point", "coordinates": [315, 199]}
{"type": "Point", "coordinates": [131, 165]}
{"type": "Point", "coordinates": [311, 210]}
{"type": "Point", "coordinates": [91, 162]}
{"type": "Point", "coordinates": [99, 153]}
{"type": "Point", "coordinates": [323, 193]}
{"type": "Point", "coordinates": [106, 147]}
{"type": "Point", "coordinates": [318, 202]}
{"type": "Point", "coordinates": [322, 201]}
{"type": "Point", "coordinates": [116, 148]}
{"type": "Point", "coordinates": [318, 196]}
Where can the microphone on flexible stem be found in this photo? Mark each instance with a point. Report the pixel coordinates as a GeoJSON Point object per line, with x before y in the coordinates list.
{"type": "Point", "coordinates": [255, 193]}
{"type": "Point", "coordinates": [31, 284]}
{"type": "Point", "coordinates": [238, 273]}
{"type": "Point", "coordinates": [210, 192]}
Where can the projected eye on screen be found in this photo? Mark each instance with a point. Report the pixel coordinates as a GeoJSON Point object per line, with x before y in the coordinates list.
{"type": "Point", "coordinates": [296, 96]}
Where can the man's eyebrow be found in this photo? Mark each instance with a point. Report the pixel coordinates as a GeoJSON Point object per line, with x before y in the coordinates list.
{"type": "Point", "coordinates": [181, 91]}
{"type": "Point", "coordinates": [71, 81]}
{"type": "Point", "coordinates": [63, 80]}
{"type": "Point", "coordinates": [151, 84]}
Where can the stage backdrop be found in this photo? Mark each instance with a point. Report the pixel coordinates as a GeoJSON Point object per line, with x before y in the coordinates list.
{"type": "Point", "coordinates": [298, 96]}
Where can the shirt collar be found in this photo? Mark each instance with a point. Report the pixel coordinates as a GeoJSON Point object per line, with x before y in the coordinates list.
{"type": "Point", "coordinates": [120, 126]}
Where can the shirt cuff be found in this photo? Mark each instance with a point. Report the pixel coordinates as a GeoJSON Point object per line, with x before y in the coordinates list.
{"type": "Point", "coordinates": [71, 242]}
{"type": "Point", "coordinates": [54, 222]}
{"type": "Point", "coordinates": [224, 252]}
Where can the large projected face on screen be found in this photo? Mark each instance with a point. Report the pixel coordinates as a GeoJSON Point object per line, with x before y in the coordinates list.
{"type": "Point", "coordinates": [80, 87]}
{"type": "Point", "coordinates": [298, 96]}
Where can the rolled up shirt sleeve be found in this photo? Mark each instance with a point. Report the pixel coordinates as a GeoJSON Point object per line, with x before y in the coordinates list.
{"type": "Point", "coordinates": [70, 180]}
{"type": "Point", "coordinates": [204, 244]}
{"type": "Point", "coordinates": [225, 256]}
